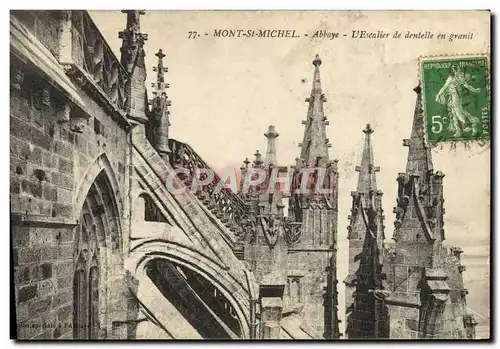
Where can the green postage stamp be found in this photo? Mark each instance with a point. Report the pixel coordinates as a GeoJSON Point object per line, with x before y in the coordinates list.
{"type": "Point", "coordinates": [456, 98]}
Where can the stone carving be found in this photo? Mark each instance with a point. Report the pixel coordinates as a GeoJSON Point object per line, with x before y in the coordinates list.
{"type": "Point", "coordinates": [456, 251]}
{"type": "Point", "coordinates": [133, 41]}
{"type": "Point", "coordinates": [62, 113]}
{"type": "Point", "coordinates": [17, 79]}
{"type": "Point", "coordinates": [77, 124]}
{"type": "Point", "coordinates": [270, 227]}
{"type": "Point", "coordinates": [400, 210]}
{"type": "Point", "coordinates": [391, 253]}
{"type": "Point", "coordinates": [41, 96]}
{"type": "Point", "coordinates": [292, 231]}
{"type": "Point", "coordinates": [250, 228]}
{"type": "Point", "coordinates": [159, 123]}
{"type": "Point", "coordinates": [231, 207]}
{"type": "Point", "coordinates": [104, 74]}
{"type": "Point", "coordinates": [470, 325]}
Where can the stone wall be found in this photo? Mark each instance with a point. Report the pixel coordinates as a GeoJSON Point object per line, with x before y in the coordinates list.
{"type": "Point", "coordinates": [303, 269]}
{"type": "Point", "coordinates": [405, 269]}
{"type": "Point", "coordinates": [52, 166]}
{"type": "Point", "coordinates": [45, 25]}
{"type": "Point", "coordinates": [309, 271]}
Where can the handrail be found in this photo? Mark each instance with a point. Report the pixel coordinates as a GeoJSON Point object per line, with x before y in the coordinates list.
{"type": "Point", "coordinates": [229, 204]}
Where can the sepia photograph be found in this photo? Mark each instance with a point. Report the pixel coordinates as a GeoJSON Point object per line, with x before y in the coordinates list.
{"type": "Point", "coordinates": [250, 175]}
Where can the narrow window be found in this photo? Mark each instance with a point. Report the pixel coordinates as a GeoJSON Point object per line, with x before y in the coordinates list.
{"type": "Point", "coordinates": [94, 303]}
{"type": "Point", "coordinates": [80, 305]}
{"type": "Point", "coordinates": [86, 284]}
{"type": "Point", "coordinates": [294, 289]}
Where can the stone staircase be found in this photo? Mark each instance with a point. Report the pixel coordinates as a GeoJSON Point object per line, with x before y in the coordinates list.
{"type": "Point", "coordinates": [227, 207]}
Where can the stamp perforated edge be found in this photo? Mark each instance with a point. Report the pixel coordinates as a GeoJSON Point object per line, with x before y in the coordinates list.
{"type": "Point", "coordinates": [445, 56]}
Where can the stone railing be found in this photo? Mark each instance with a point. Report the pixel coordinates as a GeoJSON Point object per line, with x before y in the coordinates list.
{"type": "Point", "coordinates": [227, 206]}
{"type": "Point", "coordinates": [216, 196]}
{"type": "Point", "coordinates": [90, 62]}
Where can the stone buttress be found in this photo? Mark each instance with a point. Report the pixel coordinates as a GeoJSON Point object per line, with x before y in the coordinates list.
{"type": "Point", "coordinates": [365, 311]}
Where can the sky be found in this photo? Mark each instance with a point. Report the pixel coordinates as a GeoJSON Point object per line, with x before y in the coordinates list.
{"type": "Point", "coordinates": [225, 92]}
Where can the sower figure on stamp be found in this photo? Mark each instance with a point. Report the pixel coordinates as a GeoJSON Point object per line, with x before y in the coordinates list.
{"type": "Point", "coordinates": [450, 95]}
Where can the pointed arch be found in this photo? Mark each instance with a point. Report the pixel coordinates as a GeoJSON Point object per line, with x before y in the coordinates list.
{"type": "Point", "coordinates": [98, 244]}
{"type": "Point", "coordinates": [86, 279]}
{"type": "Point", "coordinates": [101, 163]}
{"type": "Point", "coordinates": [145, 208]}
{"type": "Point", "coordinates": [189, 258]}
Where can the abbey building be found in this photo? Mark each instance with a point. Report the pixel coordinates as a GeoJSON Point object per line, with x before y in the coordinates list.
{"type": "Point", "coordinates": [119, 231]}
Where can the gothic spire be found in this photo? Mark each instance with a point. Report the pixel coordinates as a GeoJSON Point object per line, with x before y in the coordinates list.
{"type": "Point", "coordinates": [367, 198]}
{"type": "Point", "coordinates": [315, 144]}
{"type": "Point", "coordinates": [160, 70]}
{"type": "Point", "coordinates": [367, 181]}
{"type": "Point", "coordinates": [365, 264]}
{"type": "Point", "coordinates": [132, 59]}
{"type": "Point", "coordinates": [271, 136]}
{"type": "Point", "coordinates": [160, 86]}
{"type": "Point", "coordinates": [160, 103]}
{"type": "Point", "coordinates": [258, 158]}
{"type": "Point", "coordinates": [419, 154]}
{"type": "Point", "coordinates": [420, 189]}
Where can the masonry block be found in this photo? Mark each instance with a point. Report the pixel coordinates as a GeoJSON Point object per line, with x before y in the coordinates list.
{"type": "Point", "coordinates": [26, 293]}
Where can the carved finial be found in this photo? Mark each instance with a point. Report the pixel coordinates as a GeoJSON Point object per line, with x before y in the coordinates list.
{"type": "Point", "coordinates": [132, 32]}
{"type": "Point", "coordinates": [271, 136]}
{"type": "Point", "coordinates": [368, 129]}
{"type": "Point", "coordinates": [367, 181]}
{"type": "Point", "coordinates": [271, 132]}
{"type": "Point", "coordinates": [245, 164]}
{"type": "Point", "coordinates": [298, 162]}
{"type": "Point", "coordinates": [258, 158]}
{"type": "Point", "coordinates": [456, 251]}
{"type": "Point", "coordinates": [160, 104]}
{"type": "Point", "coordinates": [133, 39]}
{"type": "Point", "coordinates": [160, 54]}
{"type": "Point", "coordinates": [133, 19]}
{"type": "Point", "coordinates": [419, 154]}
{"type": "Point", "coordinates": [160, 70]}
{"type": "Point", "coordinates": [315, 142]}
{"type": "Point", "coordinates": [317, 61]}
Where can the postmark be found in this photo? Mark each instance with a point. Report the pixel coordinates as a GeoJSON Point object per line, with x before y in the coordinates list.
{"type": "Point", "coordinates": [456, 97]}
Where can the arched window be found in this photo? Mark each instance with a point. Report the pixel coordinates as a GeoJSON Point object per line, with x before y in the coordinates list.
{"type": "Point", "coordinates": [294, 289]}
{"type": "Point", "coordinates": [97, 245]}
{"type": "Point", "coordinates": [151, 212]}
{"type": "Point", "coordinates": [86, 281]}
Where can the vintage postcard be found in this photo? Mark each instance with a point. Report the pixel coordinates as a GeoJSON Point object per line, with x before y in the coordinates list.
{"type": "Point", "coordinates": [301, 175]}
